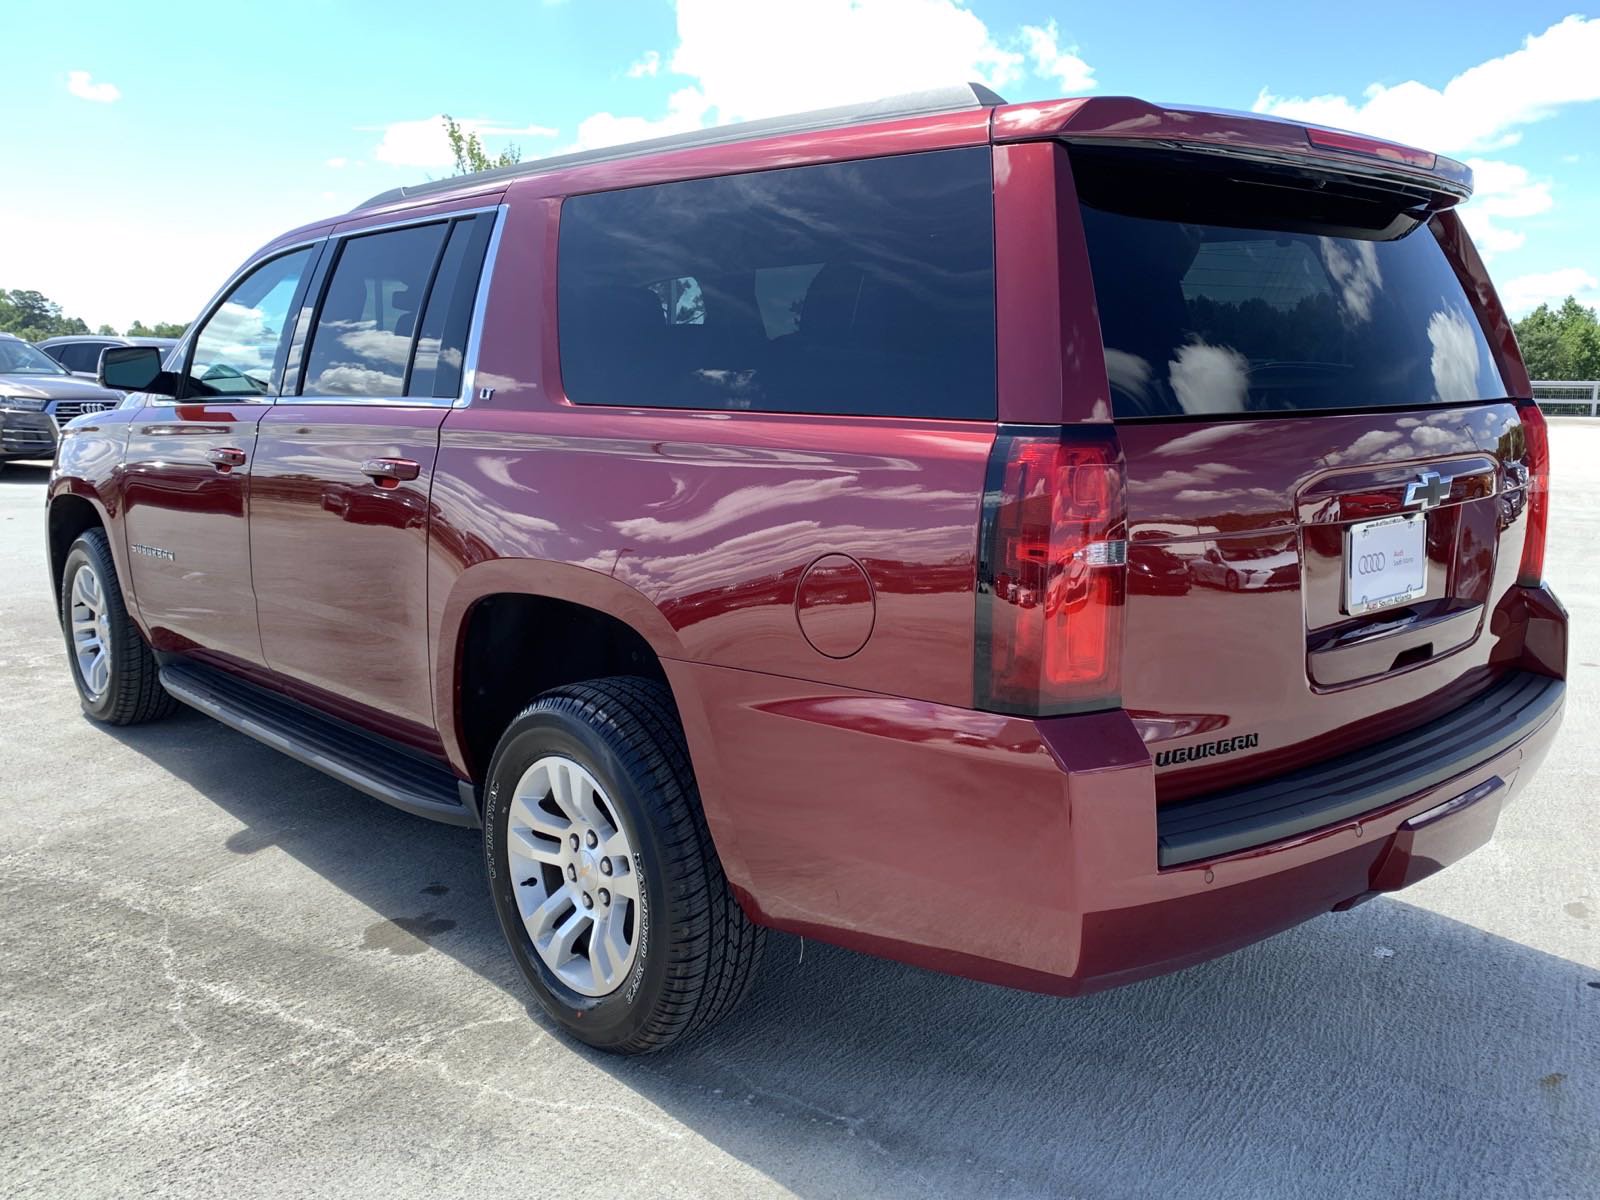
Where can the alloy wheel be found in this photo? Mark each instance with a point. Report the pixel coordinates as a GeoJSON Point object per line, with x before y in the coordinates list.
{"type": "Point", "coordinates": [91, 632]}
{"type": "Point", "coordinates": [573, 874]}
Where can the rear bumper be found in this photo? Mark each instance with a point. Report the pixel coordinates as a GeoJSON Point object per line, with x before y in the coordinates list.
{"type": "Point", "coordinates": [1140, 923]}
{"type": "Point", "coordinates": [1026, 853]}
{"type": "Point", "coordinates": [1368, 780]}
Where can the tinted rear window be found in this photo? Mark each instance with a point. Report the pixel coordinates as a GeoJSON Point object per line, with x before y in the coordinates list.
{"type": "Point", "coordinates": [861, 287]}
{"type": "Point", "coordinates": [367, 322]}
{"type": "Point", "coordinates": [1220, 294]}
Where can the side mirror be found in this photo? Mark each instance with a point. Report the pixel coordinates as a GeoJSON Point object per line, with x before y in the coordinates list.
{"type": "Point", "coordinates": [133, 369]}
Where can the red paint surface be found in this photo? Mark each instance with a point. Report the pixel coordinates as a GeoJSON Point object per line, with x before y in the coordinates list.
{"type": "Point", "coordinates": [858, 798]}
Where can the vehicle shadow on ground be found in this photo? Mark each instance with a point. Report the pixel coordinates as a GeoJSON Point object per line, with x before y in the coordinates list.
{"type": "Point", "coordinates": [26, 473]}
{"type": "Point", "coordinates": [1384, 1052]}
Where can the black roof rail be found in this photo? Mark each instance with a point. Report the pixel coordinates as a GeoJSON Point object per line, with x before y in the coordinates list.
{"type": "Point", "coordinates": [911, 104]}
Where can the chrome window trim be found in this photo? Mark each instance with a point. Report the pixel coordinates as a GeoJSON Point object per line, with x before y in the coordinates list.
{"type": "Point", "coordinates": [430, 219]}
{"type": "Point", "coordinates": [469, 364]}
{"type": "Point", "coordinates": [371, 401]}
{"type": "Point", "coordinates": [480, 306]}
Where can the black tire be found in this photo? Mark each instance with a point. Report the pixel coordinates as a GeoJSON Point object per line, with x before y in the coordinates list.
{"type": "Point", "coordinates": [134, 693]}
{"type": "Point", "coordinates": [1233, 581]}
{"type": "Point", "coordinates": [699, 951]}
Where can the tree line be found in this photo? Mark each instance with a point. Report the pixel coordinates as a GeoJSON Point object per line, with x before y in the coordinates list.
{"type": "Point", "coordinates": [1562, 342]}
{"type": "Point", "coordinates": [33, 316]}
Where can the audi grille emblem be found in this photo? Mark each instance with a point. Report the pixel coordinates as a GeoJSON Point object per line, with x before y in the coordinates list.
{"type": "Point", "coordinates": [1371, 564]}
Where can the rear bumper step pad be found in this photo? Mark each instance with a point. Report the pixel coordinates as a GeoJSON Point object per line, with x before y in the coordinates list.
{"type": "Point", "coordinates": [1359, 782]}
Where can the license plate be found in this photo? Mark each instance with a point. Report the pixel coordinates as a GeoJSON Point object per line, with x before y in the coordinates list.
{"type": "Point", "coordinates": [1385, 563]}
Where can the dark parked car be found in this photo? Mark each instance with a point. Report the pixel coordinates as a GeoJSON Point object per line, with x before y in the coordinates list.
{"type": "Point", "coordinates": [80, 352]}
{"type": "Point", "coordinates": [737, 528]}
{"type": "Point", "coordinates": [37, 396]}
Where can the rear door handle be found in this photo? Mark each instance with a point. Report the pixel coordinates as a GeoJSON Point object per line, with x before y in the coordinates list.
{"type": "Point", "coordinates": [387, 472]}
{"type": "Point", "coordinates": [225, 458]}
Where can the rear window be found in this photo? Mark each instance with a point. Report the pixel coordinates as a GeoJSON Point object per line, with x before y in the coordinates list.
{"type": "Point", "coordinates": [861, 287]}
{"type": "Point", "coordinates": [1220, 293]}
{"type": "Point", "coordinates": [395, 313]}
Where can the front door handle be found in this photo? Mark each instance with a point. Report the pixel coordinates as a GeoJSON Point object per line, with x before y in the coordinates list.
{"type": "Point", "coordinates": [388, 472]}
{"type": "Point", "coordinates": [225, 458]}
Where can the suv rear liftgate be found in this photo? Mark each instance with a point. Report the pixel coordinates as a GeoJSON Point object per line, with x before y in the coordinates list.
{"type": "Point", "coordinates": [1333, 506]}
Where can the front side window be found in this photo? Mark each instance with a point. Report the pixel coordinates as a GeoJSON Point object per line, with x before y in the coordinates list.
{"type": "Point", "coordinates": [857, 287]}
{"type": "Point", "coordinates": [236, 350]}
{"type": "Point", "coordinates": [368, 319]}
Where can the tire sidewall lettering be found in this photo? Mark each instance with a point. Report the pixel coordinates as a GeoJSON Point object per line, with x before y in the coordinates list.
{"type": "Point", "coordinates": [636, 978]}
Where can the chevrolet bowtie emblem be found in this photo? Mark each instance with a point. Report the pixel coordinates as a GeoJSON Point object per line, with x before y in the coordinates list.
{"type": "Point", "coordinates": [1428, 490]}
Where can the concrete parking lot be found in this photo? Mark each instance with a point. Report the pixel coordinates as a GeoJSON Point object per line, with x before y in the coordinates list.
{"type": "Point", "coordinates": [223, 974]}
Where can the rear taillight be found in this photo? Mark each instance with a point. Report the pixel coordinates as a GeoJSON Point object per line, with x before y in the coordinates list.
{"type": "Point", "coordinates": [1052, 572]}
{"type": "Point", "coordinates": [1536, 460]}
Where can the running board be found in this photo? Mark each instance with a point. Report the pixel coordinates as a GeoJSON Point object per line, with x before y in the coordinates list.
{"type": "Point", "coordinates": [365, 761]}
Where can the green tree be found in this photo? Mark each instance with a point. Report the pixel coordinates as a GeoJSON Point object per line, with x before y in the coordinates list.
{"type": "Point", "coordinates": [163, 329]}
{"type": "Point", "coordinates": [469, 152]}
{"type": "Point", "coordinates": [1561, 343]}
{"type": "Point", "coordinates": [31, 315]}
{"type": "Point", "coordinates": [106, 331]}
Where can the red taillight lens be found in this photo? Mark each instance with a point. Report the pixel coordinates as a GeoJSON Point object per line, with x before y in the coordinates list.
{"type": "Point", "coordinates": [1355, 143]}
{"type": "Point", "coordinates": [1536, 458]}
{"type": "Point", "coordinates": [1052, 573]}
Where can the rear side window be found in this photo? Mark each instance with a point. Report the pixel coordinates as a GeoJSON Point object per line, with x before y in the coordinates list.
{"type": "Point", "coordinates": [442, 336]}
{"type": "Point", "coordinates": [361, 343]}
{"type": "Point", "coordinates": [1223, 293]}
{"type": "Point", "coordinates": [80, 356]}
{"type": "Point", "coordinates": [860, 287]}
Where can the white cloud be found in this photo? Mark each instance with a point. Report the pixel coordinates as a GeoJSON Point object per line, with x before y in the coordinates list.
{"type": "Point", "coordinates": [648, 65]}
{"type": "Point", "coordinates": [336, 163]}
{"type": "Point", "coordinates": [1480, 109]}
{"type": "Point", "coordinates": [423, 143]}
{"type": "Point", "coordinates": [1502, 191]}
{"type": "Point", "coordinates": [686, 109]}
{"type": "Point", "coordinates": [1526, 292]}
{"type": "Point", "coordinates": [1051, 62]}
{"type": "Point", "coordinates": [832, 52]}
{"type": "Point", "coordinates": [82, 85]}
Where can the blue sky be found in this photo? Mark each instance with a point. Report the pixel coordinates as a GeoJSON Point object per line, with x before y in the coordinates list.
{"type": "Point", "coordinates": [151, 149]}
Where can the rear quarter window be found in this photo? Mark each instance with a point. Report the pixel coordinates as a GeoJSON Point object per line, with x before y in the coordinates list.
{"type": "Point", "coordinates": [862, 288]}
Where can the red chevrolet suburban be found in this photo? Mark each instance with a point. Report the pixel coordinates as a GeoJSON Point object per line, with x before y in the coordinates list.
{"type": "Point", "coordinates": [1054, 543]}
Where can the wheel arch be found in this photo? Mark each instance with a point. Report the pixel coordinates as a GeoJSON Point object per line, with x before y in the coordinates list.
{"type": "Point", "coordinates": [580, 590]}
{"type": "Point", "coordinates": [71, 513]}
{"type": "Point", "coordinates": [528, 612]}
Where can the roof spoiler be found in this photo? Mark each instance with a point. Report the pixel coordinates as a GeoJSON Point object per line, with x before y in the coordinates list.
{"type": "Point", "coordinates": [1257, 136]}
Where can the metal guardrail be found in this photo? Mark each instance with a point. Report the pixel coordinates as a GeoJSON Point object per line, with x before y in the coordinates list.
{"type": "Point", "coordinates": [1566, 397]}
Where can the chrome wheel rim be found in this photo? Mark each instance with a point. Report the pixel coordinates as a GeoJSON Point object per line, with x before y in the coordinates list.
{"type": "Point", "coordinates": [572, 871]}
{"type": "Point", "coordinates": [91, 632]}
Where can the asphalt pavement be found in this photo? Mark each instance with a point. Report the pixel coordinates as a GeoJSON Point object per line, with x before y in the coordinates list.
{"type": "Point", "coordinates": [222, 974]}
